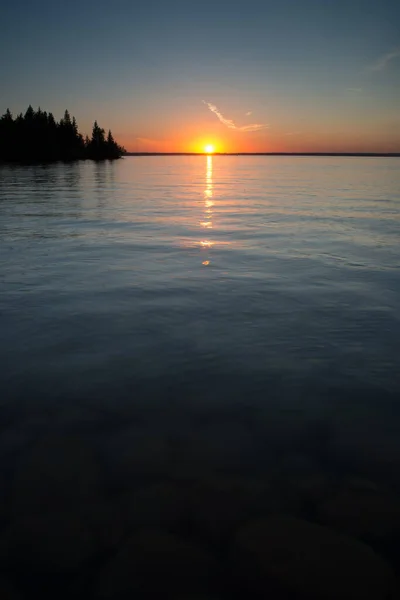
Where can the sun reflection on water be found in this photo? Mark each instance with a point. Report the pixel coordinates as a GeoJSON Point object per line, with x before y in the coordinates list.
{"type": "Point", "coordinates": [208, 202]}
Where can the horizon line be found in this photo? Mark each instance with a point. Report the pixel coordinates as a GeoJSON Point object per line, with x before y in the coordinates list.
{"type": "Point", "coordinates": [361, 154]}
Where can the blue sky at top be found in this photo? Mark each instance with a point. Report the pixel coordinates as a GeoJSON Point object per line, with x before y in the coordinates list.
{"type": "Point", "coordinates": [318, 73]}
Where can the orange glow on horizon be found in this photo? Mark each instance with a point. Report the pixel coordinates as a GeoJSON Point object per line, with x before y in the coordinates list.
{"type": "Point", "coordinates": [199, 137]}
{"type": "Point", "coordinates": [206, 146]}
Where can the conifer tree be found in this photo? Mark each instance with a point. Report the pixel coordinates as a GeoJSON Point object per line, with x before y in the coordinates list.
{"type": "Point", "coordinates": [36, 136]}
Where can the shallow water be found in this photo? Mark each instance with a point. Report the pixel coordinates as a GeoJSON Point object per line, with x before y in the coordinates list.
{"type": "Point", "coordinates": [197, 319]}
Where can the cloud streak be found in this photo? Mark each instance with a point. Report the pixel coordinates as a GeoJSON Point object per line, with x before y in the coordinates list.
{"type": "Point", "coordinates": [383, 61]}
{"type": "Point", "coordinates": [231, 124]}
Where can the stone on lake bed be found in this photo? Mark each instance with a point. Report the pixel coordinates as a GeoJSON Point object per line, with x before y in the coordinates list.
{"type": "Point", "coordinates": [363, 511]}
{"type": "Point", "coordinates": [303, 480]}
{"type": "Point", "coordinates": [373, 451]}
{"type": "Point", "coordinates": [218, 505]}
{"type": "Point", "coordinates": [312, 488]}
{"type": "Point", "coordinates": [8, 591]}
{"type": "Point", "coordinates": [106, 522]}
{"type": "Point", "coordinates": [281, 429]}
{"type": "Point", "coordinates": [162, 505]}
{"type": "Point", "coordinates": [58, 473]}
{"type": "Point", "coordinates": [135, 453]}
{"type": "Point", "coordinates": [215, 448]}
{"type": "Point", "coordinates": [155, 564]}
{"type": "Point", "coordinates": [16, 439]}
{"type": "Point", "coordinates": [54, 543]}
{"type": "Point", "coordinates": [283, 556]}
{"type": "Point", "coordinates": [197, 597]}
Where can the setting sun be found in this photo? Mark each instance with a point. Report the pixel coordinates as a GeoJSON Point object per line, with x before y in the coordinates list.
{"type": "Point", "coordinates": [209, 148]}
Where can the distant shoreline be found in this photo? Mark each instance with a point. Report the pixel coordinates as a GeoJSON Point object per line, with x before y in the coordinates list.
{"type": "Point", "coordinates": [338, 154]}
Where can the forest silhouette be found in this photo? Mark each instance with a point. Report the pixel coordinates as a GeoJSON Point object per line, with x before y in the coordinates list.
{"type": "Point", "coordinates": [38, 137]}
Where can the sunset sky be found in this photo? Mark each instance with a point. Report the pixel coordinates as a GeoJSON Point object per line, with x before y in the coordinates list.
{"type": "Point", "coordinates": [243, 75]}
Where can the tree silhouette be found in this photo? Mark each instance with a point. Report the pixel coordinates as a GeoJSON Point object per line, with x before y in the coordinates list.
{"type": "Point", "coordinates": [30, 113]}
{"type": "Point", "coordinates": [37, 137]}
{"type": "Point", "coordinates": [98, 147]}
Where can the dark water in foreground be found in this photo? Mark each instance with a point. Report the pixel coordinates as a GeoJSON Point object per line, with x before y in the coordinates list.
{"type": "Point", "coordinates": [200, 384]}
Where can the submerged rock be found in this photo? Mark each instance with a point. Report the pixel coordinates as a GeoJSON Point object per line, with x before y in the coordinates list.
{"type": "Point", "coordinates": [14, 440]}
{"type": "Point", "coordinates": [281, 429]}
{"type": "Point", "coordinates": [312, 488]}
{"type": "Point", "coordinates": [8, 591]}
{"type": "Point", "coordinates": [133, 453]}
{"type": "Point", "coordinates": [372, 450]}
{"type": "Point", "coordinates": [57, 474]}
{"type": "Point", "coordinates": [197, 597]}
{"type": "Point", "coordinates": [362, 511]}
{"type": "Point", "coordinates": [214, 448]}
{"type": "Point", "coordinates": [284, 555]}
{"type": "Point", "coordinates": [218, 505]}
{"type": "Point", "coordinates": [304, 482]}
{"type": "Point", "coordinates": [54, 543]}
{"type": "Point", "coordinates": [106, 522]}
{"type": "Point", "coordinates": [155, 564]}
{"type": "Point", "coordinates": [161, 505]}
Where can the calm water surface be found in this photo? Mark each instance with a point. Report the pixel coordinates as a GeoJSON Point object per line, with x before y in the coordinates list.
{"type": "Point", "coordinates": [279, 275]}
{"type": "Point", "coordinates": [210, 314]}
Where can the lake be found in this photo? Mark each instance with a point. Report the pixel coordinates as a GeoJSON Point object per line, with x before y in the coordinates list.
{"type": "Point", "coordinates": [194, 322]}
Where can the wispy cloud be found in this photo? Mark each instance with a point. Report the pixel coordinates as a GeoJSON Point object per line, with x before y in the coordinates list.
{"type": "Point", "coordinates": [383, 61]}
{"type": "Point", "coordinates": [231, 124]}
{"type": "Point", "coordinates": [248, 114]}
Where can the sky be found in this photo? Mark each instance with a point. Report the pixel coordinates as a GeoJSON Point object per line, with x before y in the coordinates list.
{"type": "Point", "coordinates": [242, 75]}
